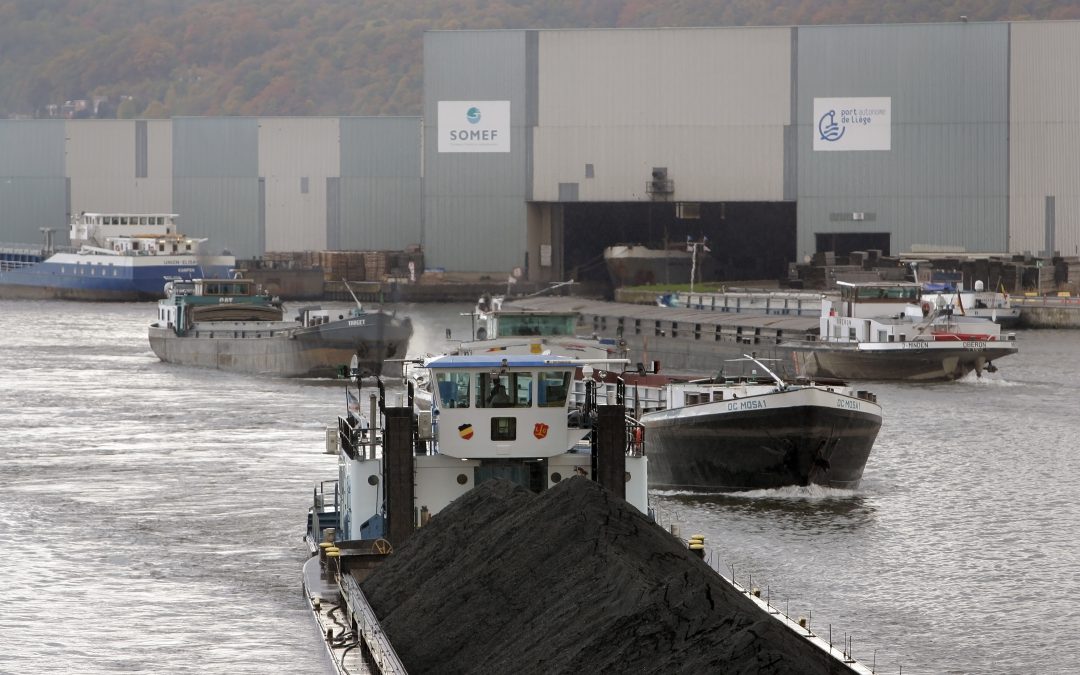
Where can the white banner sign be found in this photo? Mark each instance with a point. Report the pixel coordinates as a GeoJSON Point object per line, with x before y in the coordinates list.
{"type": "Point", "coordinates": [853, 123]}
{"type": "Point", "coordinates": [474, 126]}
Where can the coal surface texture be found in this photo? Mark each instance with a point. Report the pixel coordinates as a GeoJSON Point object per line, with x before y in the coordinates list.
{"type": "Point", "coordinates": [573, 580]}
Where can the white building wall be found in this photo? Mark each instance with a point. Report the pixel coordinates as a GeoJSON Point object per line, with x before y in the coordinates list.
{"type": "Point", "coordinates": [710, 105]}
{"type": "Point", "coordinates": [1044, 135]}
{"type": "Point", "coordinates": [290, 150]}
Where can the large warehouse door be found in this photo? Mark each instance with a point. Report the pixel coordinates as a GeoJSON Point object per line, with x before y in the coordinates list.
{"type": "Point", "coordinates": [843, 243]}
{"type": "Point", "coordinates": [748, 240]}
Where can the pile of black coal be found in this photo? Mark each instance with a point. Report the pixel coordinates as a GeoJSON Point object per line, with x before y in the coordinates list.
{"type": "Point", "coordinates": [573, 580]}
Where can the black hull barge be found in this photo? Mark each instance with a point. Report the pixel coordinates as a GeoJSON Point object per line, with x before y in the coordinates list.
{"type": "Point", "coordinates": [812, 435]}
{"type": "Point", "coordinates": [758, 432]}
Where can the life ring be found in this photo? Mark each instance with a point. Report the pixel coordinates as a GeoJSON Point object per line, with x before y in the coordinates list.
{"type": "Point", "coordinates": [926, 309]}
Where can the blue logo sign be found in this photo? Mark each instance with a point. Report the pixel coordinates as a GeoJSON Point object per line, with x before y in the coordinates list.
{"type": "Point", "coordinates": [473, 115]}
{"type": "Point", "coordinates": [828, 128]}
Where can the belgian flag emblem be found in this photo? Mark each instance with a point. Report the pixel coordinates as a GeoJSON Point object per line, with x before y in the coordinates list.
{"type": "Point", "coordinates": [466, 431]}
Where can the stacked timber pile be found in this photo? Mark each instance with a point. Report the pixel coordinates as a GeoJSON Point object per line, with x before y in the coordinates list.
{"type": "Point", "coordinates": [347, 265]}
{"type": "Point", "coordinates": [375, 263]}
{"type": "Point", "coordinates": [1015, 274]}
{"type": "Point", "coordinates": [375, 266]}
{"type": "Point", "coordinates": [572, 580]}
{"type": "Point", "coordinates": [1068, 274]}
{"type": "Point", "coordinates": [290, 260]}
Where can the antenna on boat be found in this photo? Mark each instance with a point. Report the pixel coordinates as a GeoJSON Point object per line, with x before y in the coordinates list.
{"type": "Point", "coordinates": [355, 299]}
{"type": "Point", "coordinates": [780, 383]}
{"type": "Point", "coordinates": [554, 285]}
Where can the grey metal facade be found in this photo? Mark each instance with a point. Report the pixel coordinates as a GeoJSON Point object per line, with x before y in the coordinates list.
{"type": "Point", "coordinates": [475, 203]}
{"type": "Point", "coordinates": [216, 182]}
{"type": "Point", "coordinates": [33, 187]}
{"type": "Point", "coordinates": [1044, 136]}
{"type": "Point", "coordinates": [944, 182]}
{"type": "Point", "coordinates": [381, 184]}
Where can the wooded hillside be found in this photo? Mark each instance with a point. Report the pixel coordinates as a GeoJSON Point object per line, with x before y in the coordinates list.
{"type": "Point", "coordinates": [159, 58]}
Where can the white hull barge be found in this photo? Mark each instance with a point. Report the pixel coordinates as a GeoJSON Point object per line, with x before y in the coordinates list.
{"type": "Point", "coordinates": [753, 434]}
{"type": "Point", "coordinates": [226, 324]}
{"type": "Point", "coordinates": [882, 331]}
{"type": "Point", "coordinates": [913, 361]}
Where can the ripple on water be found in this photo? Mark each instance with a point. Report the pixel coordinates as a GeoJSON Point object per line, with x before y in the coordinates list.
{"type": "Point", "coordinates": [150, 515]}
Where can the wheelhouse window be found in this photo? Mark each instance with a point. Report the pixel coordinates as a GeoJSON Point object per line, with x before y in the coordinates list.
{"type": "Point", "coordinates": [880, 293]}
{"type": "Point", "coordinates": [552, 388]}
{"type": "Point", "coordinates": [504, 390]}
{"type": "Point", "coordinates": [238, 287]}
{"type": "Point", "coordinates": [453, 389]}
{"type": "Point", "coordinates": [557, 324]}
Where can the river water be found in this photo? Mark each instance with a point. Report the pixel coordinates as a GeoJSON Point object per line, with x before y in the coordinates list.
{"type": "Point", "coordinates": [151, 515]}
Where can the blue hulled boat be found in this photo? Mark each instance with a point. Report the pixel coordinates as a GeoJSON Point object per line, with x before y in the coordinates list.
{"type": "Point", "coordinates": [114, 256]}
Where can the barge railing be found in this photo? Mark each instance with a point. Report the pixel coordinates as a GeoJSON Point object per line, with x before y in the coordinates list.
{"type": "Point", "coordinates": [369, 629]}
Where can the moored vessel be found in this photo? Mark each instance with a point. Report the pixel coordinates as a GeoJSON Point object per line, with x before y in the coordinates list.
{"type": "Point", "coordinates": [639, 264]}
{"type": "Point", "coordinates": [229, 324]}
{"type": "Point", "coordinates": [760, 432]}
{"type": "Point", "coordinates": [114, 257]}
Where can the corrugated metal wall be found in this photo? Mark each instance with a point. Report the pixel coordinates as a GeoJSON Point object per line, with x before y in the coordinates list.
{"type": "Point", "coordinates": [216, 187]}
{"type": "Point", "coordinates": [33, 189]}
{"type": "Point", "coordinates": [985, 126]}
{"type": "Point", "coordinates": [1044, 134]}
{"type": "Point", "coordinates": [381, 187]}
{"type": "Point", "coordinates": [944, 182]}
{"type": "Point", "coordinates": [474, 203]}
{"type": "Point", "coordinates": [296, 156]}
{"type": "Point", "coordinates": [711, 105]}
{"type": "Point", "coordinates": [104, 158]}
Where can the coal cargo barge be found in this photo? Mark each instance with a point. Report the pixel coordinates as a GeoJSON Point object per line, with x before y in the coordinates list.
{"type": "Point", "coordinates": [505, 536]}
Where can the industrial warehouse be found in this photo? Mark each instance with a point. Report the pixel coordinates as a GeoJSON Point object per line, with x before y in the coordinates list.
{"type": "Point", "coordinates": [537, 149]}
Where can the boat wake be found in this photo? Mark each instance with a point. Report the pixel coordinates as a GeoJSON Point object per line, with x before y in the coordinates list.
{"type": "Point", "coordinates": [789, 492]}
{"type": "Point", "coordinates": [987, 380]}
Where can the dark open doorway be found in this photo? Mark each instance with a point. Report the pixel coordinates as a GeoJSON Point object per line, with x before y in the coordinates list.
{"type": "Point", "coordinates": [843, 243]}
{"type": "Point", "coordinates": [748, 240]}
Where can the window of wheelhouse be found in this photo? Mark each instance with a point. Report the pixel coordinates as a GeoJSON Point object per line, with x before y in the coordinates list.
{"type": "Point", "coordinates": [504, 390]}
{"type": "Point", "coordinates": [230, 287]}
{"type": "Point", "coordinates": [552, 388]}
{"type": "Point", "coordinates": [453, 389]}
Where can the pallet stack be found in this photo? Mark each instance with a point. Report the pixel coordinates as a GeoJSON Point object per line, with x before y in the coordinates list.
{"type": "Point", "coordinates": [348, 265]}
